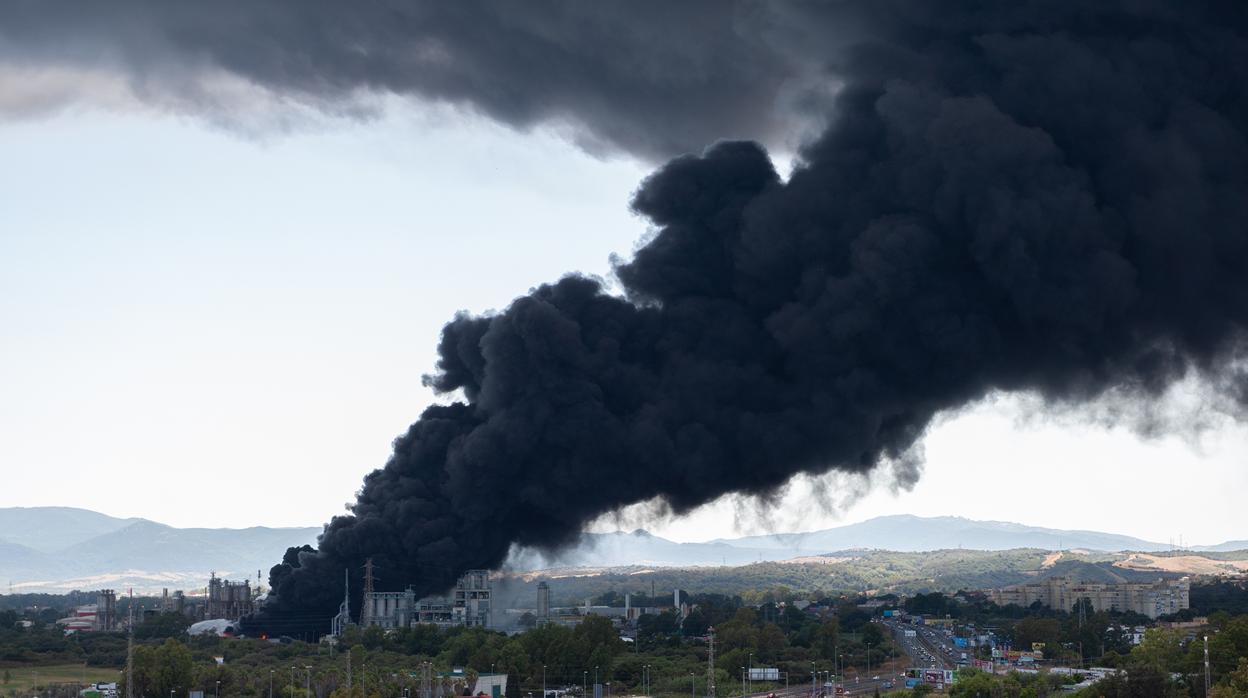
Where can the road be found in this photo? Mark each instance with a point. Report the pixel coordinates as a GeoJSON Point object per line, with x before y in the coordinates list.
{"type": "Point", "coordinates": [928, 648]}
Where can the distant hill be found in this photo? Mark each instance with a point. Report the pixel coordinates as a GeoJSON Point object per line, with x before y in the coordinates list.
{"type": "Point", "coordinates": [51, 529]}
{"type": "Point", "coordinates": [60, 549]}
{"type": "Point", "coordinates": [1228, 546]}
{"type": "Point", "coordinates": [901, 533]}
{"type": "Point", "coordinates": [643, 548]}
{"type": "Point", "coordinates": [906, 533]}
{"type": "Point", "coordinates": [853, 571]}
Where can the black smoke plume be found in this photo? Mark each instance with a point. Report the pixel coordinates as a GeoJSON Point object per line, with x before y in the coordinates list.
{"type": "Point", "coordinates": [1031, 196]}
{"type": "Point", "coordinates": [652, 77]}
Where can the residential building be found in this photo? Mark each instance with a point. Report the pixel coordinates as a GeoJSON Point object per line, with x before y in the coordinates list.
{"type": "Point", "coordinates": [1151, 599]}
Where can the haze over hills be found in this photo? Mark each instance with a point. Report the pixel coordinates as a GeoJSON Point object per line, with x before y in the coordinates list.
{"type": "Point", "coordinates": [905, 533]}
{"type": "Point", "coordinates": [901, 533]}
{"type": "Point", "coordinates": [59, 549]}
{"type": "Point", "coordinates": [51, 529]}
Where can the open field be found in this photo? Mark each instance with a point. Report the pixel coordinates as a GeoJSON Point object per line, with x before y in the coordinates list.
{"type": "Point", "coordinates": [23, 678]}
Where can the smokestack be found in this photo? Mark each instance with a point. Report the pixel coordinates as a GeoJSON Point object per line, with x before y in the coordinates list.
{"type": "Point", "coordinates": [1041, 198]}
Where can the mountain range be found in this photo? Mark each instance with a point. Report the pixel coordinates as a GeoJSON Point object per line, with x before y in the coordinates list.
{"type": "Point", "coordinates": [899, 533]}
{"type": "Point", "coordinates": [59, 548]}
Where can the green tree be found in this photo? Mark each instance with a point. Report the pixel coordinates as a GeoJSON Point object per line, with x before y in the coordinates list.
{"type": "Point", "coordinates": [374, 637]}
{"type": "Point", "coordinates": [1160, 648]}
{"type": "Point", "coordinates": [872, 635]}
{"type": "Point", "coordinates": [771, 642]}
{"type": "Point", "coordinates": [976, 683]}
{"type": "Point", "coordinates": [1033, 630]}
{"type": "Point", "coordinates": [163, 625]}
{"type": "Point", "coordinates": [1138, 681]}
{"type": "Point", "coordinates": [826, 638]}
{"type": "Point", "coordinates": [159, 670]}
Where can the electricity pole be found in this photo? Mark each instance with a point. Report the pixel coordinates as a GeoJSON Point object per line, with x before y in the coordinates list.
{"type": "Point", "coordinates": [1207, 682]}
{"type": "Point", "coordinates": [710, 663]}
{"type": "Point", "coordinates": [130, 648]}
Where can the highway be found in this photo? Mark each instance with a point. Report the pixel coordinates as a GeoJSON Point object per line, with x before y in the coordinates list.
{"type": "Point", "coordinates": [929, 648]}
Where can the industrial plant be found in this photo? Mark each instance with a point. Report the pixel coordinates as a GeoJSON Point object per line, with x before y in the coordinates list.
{"type": "Point", "coordinates": [469, 604]}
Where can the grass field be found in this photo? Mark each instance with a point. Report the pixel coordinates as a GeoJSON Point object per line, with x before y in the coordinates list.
{"type": "Point", "coordinates": [22, 679]}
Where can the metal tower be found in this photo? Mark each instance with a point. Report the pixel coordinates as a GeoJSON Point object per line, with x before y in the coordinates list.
{"type": "Point", "coordinates": [343, 619]}
{"type": "Point", "coordinates": [366, 606]}
{"type": "Point", "coordinates": [710, 663]}
{"type": "Point", "coordinates": [130, 648]}
{"type": "Point", "coordinates": [1208, 683]}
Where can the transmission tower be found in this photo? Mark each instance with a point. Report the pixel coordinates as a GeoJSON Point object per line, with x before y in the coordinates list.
{"type": "Point", "coordinates": [1207, 682]}
{"type": "Point", "coordinates": [366, 610]}
{"type": "Point", "coordinates": [130, 648]}
{"type": "Point", "coordinates": [710, 663]}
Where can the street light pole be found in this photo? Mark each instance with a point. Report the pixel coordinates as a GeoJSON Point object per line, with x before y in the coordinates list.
{"type": "Point", "coordinates": [307, 680]}
{"type": "Point", "coordinates": [749, 674]}
{"type": "Point", "coordinates": [270, 683]}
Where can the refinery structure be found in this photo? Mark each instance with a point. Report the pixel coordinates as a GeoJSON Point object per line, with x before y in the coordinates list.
{"type": "Point", "coordinates": [469, 604]}
{"type": "Point", "coordinates": [100, 616]}
{"type": "Point", "coordinates": [472, 603]}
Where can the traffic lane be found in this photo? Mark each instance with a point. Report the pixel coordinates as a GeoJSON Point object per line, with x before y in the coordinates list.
{"type": "Point", "coordinates": [852, 688]}
{"type": "Point", "coordinates": [921, 654]}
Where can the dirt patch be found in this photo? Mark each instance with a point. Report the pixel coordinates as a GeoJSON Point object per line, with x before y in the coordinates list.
{"type": "Point", "coordinates": [1183, 564]}
{"type": "Point", "coordinates": [815, 560]}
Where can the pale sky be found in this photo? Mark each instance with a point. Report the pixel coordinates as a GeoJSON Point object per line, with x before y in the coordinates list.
{"type": "Point", "coordinates": [210, 329]}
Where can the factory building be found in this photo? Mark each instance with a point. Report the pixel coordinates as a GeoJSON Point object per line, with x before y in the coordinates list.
{"type": "Point", "coordinates": [106, 610]}
{"type": "Point", "coordinates": [469, 605]}
{"type": "Point", "coordinates": [1151, 599]}
{"type": "Point", "coordinates": [472, 600]}
{"type": "Point", "coordinates": [388, 609]}
{"type": "Point", "coordinates": [100, 616]}
{"type": "Point", "coordinates": [543, 602]}
{"type": "Point", "coordinates": [226, 599]}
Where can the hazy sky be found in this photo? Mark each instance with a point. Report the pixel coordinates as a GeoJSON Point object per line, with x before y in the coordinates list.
{"type": "Point", "coordinates": [207, 329]}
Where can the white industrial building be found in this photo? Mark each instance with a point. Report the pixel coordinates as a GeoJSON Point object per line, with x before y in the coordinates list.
{"type": "Point", "coordinates": [470, 604]}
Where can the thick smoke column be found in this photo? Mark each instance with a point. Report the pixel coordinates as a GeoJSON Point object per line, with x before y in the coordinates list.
{"type": "Point", "coordinates": [1044, 197]}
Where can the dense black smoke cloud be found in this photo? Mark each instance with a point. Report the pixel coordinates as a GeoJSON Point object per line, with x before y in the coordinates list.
{"type": "Point", "coordinates": [654, 78]}
{"type": "Point", "coordinates": [1038, 196]}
